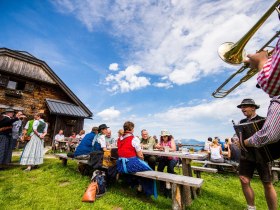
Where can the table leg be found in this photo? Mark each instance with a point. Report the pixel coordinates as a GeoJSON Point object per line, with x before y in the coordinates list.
{"type": "Point", "coordinates": [187, 171]}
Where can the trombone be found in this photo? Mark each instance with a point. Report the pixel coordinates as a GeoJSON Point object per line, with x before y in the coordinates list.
{"type": "Point", "coordinates": [234, 54]}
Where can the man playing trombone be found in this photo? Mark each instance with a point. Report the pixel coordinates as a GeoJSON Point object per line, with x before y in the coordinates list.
{"type": "Point", "coordinates": [269, 80]}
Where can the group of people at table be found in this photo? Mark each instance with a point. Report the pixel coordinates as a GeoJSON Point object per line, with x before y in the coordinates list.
{"type": "Point", "coordinates": [131, 158]}
{"type": "Point", "coordinates": [220, 152]}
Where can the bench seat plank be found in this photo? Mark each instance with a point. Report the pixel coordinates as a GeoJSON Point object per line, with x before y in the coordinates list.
{"type": "Point", "coordinates": [173, 178]}
{"type": "Point", "coordinates": [204, 169]}
{"type": "Point", "coordinates": [212, 163]}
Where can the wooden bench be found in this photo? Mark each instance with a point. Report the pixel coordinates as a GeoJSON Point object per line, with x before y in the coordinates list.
{"type": "Point", "coordinates": [197, 170]}
{"type": "Point", "coordinates": [207, 162]}
{"type": "Point", "coordinates": [64, 158]}
{"type": "Point", "coordinates": [181, 196]}
{"type": "Point", "coordinates": [83, 167]}
{"type": "Point", "coordinates": [275, 171]}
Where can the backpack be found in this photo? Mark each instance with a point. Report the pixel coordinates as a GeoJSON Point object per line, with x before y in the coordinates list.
{"type": "Point", "coordinates": [99, 177]}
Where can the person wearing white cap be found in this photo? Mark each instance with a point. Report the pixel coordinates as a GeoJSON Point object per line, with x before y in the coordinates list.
{"type": "Point", "coordinates": [167, 141]}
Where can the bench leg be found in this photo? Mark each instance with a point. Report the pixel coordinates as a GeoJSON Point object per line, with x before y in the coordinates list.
{"type": "Point", "coordinates": [187, 195]}
{"type": "Point", "coordinates": [177, 197]}
{"type": "Point", "coordinates": [198, 191]}
{"type": "Point", "coordinates": [64, 161]}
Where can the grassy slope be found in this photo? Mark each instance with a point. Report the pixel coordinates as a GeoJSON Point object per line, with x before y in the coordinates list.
{"type": "Point", "coordinates": [53, 186]}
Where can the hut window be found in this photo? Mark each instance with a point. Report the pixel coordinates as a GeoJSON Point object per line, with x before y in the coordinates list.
{"type": "Point", "coordinates": [16, 85]}
{"type": "Point", "coordinates": [12, 85]}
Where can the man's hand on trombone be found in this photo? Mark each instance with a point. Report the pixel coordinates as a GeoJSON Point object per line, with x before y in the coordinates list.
{"type": "Point", "coordinates": [257, 60]}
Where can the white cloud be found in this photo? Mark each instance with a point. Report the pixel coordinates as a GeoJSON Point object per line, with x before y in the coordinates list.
{"type": "Point", "coordinates": [185, 75]}
{"type": "Point", "coordinates": [186, 38]}
{"type": "Point", "coordinates": [127, 80]}
{"type": "Point", "coordinates": [114, 67]}
{"type": "Point", "coordinates": [194, 119]}
{"type": "Point", "coordinates": [163, 85]}
{"type": "Point", "coordinates": [109, 114]}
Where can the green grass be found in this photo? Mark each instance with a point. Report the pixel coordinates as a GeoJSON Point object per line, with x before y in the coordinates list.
{"type": "Point", "coordinates": [53, 186]}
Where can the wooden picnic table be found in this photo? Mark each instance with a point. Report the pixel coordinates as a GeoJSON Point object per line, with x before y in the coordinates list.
{"type": "Point", "coordinates": [66, 143]}
{"type": "Point", "coordinates": [186, 158]}
{"type": "Point", "coordinates": [186, 167]}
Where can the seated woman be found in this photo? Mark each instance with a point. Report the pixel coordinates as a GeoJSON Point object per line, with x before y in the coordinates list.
{"type": "Point", "coordinates": [216, 152]}
{"type": "Point", "coordinates": [166, 140]}
{"type": "Point", "coordinates": [100, 140]}
{"type": "Point", "coordinates": [81, 135]}
{"type": "Point", "coordinates": [234, 152]}
{"type": "Point", "coordinates": [131, 159]}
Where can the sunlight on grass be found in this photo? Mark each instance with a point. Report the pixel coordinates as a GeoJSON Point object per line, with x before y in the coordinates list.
{"type": "Point", "coordinates": [53, 186]}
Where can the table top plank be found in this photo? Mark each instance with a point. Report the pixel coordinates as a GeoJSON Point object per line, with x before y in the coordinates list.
{"type": "Point", "coordinates": [193, 156]}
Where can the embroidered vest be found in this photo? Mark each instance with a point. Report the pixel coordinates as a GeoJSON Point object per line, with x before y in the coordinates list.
{"type": "Point", "coordinates": [30, 127]}
{"type": "Point", "coordinates": [125, 148]}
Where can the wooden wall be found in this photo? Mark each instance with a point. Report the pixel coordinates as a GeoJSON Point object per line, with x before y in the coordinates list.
{"type": "Point", "coordinates": [32, 100]}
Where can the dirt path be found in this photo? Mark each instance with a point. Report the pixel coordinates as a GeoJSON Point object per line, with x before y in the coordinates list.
{"type": "Point", "coordinates": [46, 149]}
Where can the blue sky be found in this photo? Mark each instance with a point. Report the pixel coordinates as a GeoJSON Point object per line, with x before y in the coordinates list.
{"type": "Point", "coordinates": [152, 62]}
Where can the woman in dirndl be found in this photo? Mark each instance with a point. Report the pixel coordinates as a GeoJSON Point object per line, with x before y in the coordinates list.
{"type": "Point", "coordinates": [33, 152]}
{"type": "Point", "coordinates": [131, 160]}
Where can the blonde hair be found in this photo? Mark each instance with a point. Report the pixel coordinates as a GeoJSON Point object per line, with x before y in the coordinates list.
{"type": "Point", "coordinates": [121, 132]}
{"type": "Point", "coordinates": [215, 141]}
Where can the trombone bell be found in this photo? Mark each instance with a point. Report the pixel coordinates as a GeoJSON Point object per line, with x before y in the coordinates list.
{"type": "Point", "coordinates": [226, 54]}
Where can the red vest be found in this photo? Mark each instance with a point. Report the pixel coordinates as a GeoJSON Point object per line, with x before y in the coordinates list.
{"type": "Point", "coordinates": [125, 148]}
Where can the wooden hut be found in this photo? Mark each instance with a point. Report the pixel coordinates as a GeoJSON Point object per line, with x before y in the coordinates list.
{"type": "Point", "coordinates": [30, 85]}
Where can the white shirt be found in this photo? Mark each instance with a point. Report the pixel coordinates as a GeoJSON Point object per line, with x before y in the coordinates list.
{"type": "Point", "coordinates": [215, 152]}
{"type": "Point", "coordinates": [136, 144]}
{"type": "Point", "coordinates": [207, 145]}
{"type": "Point", "coordinates": [80, 137]}
{"type": "Point", "coordinates": [101, 140]}
{"type": "Point", "coordinates": [59, 137]}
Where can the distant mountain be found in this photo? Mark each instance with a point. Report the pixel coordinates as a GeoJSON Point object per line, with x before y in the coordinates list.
{"type": "Point", "coordinates": [191, 142]}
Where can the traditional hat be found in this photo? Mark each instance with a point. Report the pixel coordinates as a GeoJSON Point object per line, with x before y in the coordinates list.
{"type": "Point", "coordinates": [8, 110]}
{"type": "Point", "coordinates": [248, 101]}
{"type": "Point", "coordinates": [165, 133]}
{"type": "Point", "coordinates": [102, 126]}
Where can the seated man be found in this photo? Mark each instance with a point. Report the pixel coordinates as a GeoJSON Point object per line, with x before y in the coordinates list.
{"type": "Point", "coordinates": [85, 147]}
{"type": "Point", "coordinates": [58, 139]}
{"type": "Point", "coordinates": [148, 142]}
{"type": "Point", "coordinates": [110, 141]}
